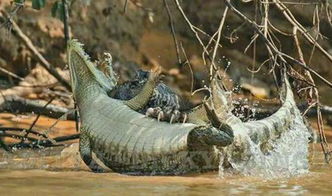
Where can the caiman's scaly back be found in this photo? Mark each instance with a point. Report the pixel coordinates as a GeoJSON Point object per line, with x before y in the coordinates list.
{"type": "Point", "coordinates": [128, 142]}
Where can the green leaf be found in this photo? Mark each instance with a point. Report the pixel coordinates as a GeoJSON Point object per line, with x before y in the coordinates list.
{"type": "Point", "coordinates": [19, 1]}
{"type": "Point", "coordinates": [38, 4]}
{"type": "Point", "coordinates": [57, 10]}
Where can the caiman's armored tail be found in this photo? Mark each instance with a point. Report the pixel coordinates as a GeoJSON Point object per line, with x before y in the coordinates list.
{"type": "Point", "coordinates": [127, 141]}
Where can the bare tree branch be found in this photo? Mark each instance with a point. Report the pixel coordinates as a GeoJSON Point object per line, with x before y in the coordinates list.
{"type": "Point", "coordinates": [16, 104]}
{"type": "Point", "coordinates": [280, 54]}
{"type": "Point", "coordinates": [39, 56]}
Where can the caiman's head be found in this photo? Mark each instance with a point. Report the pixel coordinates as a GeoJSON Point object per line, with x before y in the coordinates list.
{"type": "Point", "coordinates": [83, 72]}
{"type": "Point", "coordinates": [88, 80]}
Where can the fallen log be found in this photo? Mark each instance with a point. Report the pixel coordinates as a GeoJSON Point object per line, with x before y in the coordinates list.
{"type": "Point", "coordinates": [19, 105]}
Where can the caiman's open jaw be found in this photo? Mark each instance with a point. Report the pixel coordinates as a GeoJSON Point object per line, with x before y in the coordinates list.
{"type": "Point", "coordinates": [127, 141]}
{"type": "Point", "coordinates": [81, 68]}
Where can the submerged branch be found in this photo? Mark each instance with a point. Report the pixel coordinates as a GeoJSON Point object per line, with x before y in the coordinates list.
{"type": "Point", "coordinates": [46, 143]}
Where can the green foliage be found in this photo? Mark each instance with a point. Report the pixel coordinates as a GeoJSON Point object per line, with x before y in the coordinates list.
{"type": "Point", "coordinates": [38, 4]}
{"type": "Point", "coordinates": [57, 10]}
{"type": "Point", "coordinates": [19, 1]}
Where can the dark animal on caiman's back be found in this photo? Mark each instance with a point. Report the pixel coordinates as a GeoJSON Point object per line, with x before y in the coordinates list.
{"type": "Point", "coordinates": [129, 142]}
{"type": "Point", "coordinates": [164, 103]}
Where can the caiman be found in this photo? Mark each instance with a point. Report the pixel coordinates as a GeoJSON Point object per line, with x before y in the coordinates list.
{"type": "Point", "coordinates": [164, 104]}
{"type": "Point", "coordinates": [129, 142]}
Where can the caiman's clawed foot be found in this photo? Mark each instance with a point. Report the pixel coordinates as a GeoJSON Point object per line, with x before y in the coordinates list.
{"type": "Point", "coordinates": [155, 113]}
{"type": "Point", "coordinates": [184, 117]}
{"type": "Point", "coordinates": [180, 117]}
{"type": "Point", "coordinates": [86, 152]}
{"type": "Point", "coordinates": [171, 116]}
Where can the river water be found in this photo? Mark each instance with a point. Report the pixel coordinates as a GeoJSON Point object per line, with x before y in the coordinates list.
{"type": "Point", "coordinates": [60, 172]}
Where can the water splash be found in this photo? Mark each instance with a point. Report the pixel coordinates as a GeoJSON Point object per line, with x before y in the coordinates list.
{"type": "Point", "coordinates": [287, 157]}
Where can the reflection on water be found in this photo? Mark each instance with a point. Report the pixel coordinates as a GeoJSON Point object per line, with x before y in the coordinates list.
{"type": "Point", "coordinates": [64, 174]}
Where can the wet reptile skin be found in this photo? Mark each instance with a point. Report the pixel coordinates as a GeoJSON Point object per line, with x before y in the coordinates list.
{"type": "Point", "coordinates": [129, 142]}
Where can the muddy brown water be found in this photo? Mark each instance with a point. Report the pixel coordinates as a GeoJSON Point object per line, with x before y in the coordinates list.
{"type": "Point", "coordinates": [79, 181]}
{"type": "Point", "coordinates": [60, 171]}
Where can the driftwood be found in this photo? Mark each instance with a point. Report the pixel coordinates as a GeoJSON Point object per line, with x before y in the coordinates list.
{"type": "Point", "coordinates": [19, 105]}
{"type": "Point", "coordinates": [35, 140]}
{"type": "Point", "coordinates": [312, 112]}
{"type": "Point", "coordinates": [16, 104]}
{"type": "Point", "coordinates": [46, 142]}
{"type": "Point", "coordinates": [39, 81]}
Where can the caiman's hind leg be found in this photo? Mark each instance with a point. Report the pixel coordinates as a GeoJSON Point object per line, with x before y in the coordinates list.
{"type": "Point", "coordinates": [86, 153]}
{"type": "Point", "coordinates": [169, 115]}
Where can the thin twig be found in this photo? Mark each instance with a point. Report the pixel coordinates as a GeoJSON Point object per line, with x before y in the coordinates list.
{"type": "Point", "coordinates": [289, 16]}
{"type": "Point", "coordinates": [278, 30]}
{"type": "Point", "coordinates": [19, 137]}
{"type": "Point", "coordinates": [206, 34]}
{"type": "Point", "coordinates": [280, 54]}
{"type": "Point", "coordinates": [309, 108]}
{"type": "Point", "coordinates": [308, 69]}
{"type": "Point", "coordinates": [26, 40]}
{"type": "Point", "coordinates": [190, 68]}
{"type": "Point", "coordinates": [63, 117]}
{"type": "Point", "coordinates": [46, 143]}
{"type": "Point", "coordinates": [5, 129]}
{"type": "Point", "coordinates": [35, 121]}
{"type": "Point", "coordinates": [66, 27]}
{"type": "Point", "coordinates": [125, 6]}
{"type": "Point", "coordinates": [17, 6]}
{"type": "Point", "coordinates": [193, 29]}
{"type": "Point", "coordinates": [171, 24]}
{"type": "Point", "coordinates": [19, 105]}
{"type": "Point", "coordinates": [320, 124]}
{"type": "Point", "coordinates": [10, 73]}
{"type": "Point", "coordinates": [221, 25]}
